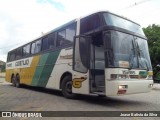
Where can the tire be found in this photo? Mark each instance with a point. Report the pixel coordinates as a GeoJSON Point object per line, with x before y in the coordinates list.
{"type": "Point", "coordinates": [17, 81]}
{"type": "Point", "coordinates": [67, 87]}
{"type": "Point", "coordinates": [13, 80]}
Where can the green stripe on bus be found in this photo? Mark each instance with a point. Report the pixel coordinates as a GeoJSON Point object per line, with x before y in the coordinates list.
{"type": "Point", "coordinates": [46, 73]}
{"type": "Point", "coordinates": [39, 69]}
{"type": "Point", "coordinates": [44, 68]}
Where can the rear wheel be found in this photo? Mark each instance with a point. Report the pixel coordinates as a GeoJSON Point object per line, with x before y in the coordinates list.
{"type": "Point", "coordinates": [67, 87]}
{"type": "Point", "coordinates": [17, 81]}
{"type": "Point", "coordinates": [13, 81]}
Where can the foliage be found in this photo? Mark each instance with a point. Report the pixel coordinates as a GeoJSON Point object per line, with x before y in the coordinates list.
{"type": "Point", "coordinates": [3, 68]}
{"type": "Point", "coordinates": [152, 32]}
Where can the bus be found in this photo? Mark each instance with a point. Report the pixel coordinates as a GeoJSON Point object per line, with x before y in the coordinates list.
{"type": "Point", "coordinates": [101, 54]}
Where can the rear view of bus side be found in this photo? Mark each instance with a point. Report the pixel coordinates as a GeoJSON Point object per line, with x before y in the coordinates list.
{"type": "Point", "coordinates": [102, 53]}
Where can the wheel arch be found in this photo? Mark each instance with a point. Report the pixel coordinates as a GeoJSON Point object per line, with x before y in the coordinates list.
{"type": "Point", "coordinates": [18, 76]}
{"type": "Point", "coordinates": [12, 77]}
{"type": "Point", "coordinates": [64, 75]}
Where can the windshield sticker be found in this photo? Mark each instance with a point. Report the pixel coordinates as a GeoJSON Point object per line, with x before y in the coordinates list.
{"type": "Point", "coordinates": [124, 64]}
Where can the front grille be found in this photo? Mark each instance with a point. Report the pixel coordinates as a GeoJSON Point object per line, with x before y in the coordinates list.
{"type": "Point", "coordinates": [137, 76]}
{"type": "Point", "coordinates": [134, 76]}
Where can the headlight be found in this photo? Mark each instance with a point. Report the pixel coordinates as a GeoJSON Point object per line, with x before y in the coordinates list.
{"type": "Point", "coordinates": [120, 87]}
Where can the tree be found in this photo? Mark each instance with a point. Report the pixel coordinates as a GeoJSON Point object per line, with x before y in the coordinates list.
{"type": "Point", "coordinates": [3, 69]}
{"type": "Point", "coordinates": [152, 32]}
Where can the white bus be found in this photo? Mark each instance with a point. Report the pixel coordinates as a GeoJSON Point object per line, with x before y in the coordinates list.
{"type": "Point", "coordinates": [102, 54]}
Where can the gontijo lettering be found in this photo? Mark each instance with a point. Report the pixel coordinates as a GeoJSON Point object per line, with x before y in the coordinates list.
{"type": "Point", "coordinates": [22, 62]}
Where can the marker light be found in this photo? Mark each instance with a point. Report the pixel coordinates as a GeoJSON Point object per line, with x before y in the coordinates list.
{"type": "Point", "coordinates": [150, 75]}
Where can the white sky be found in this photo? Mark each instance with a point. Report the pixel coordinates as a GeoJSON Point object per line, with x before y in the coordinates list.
{"type": "Point", "coordinates": [24, 20]}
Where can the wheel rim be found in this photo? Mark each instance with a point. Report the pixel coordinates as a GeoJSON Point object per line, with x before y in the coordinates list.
{"type": "Point", "coordinates": [69, 87]}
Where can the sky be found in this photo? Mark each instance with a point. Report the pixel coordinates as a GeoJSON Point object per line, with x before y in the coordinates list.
{"type": "Point", "coordinates": [22, 21]}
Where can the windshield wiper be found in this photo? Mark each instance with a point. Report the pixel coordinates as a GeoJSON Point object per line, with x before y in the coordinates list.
{"type": "Point", "coordinates": [139, 57]}
{"type": "Point", "coordinates": [134, 54]}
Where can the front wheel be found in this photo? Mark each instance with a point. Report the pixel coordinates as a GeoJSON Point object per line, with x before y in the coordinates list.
{"type": "Point", "coordinates": [67, 87]}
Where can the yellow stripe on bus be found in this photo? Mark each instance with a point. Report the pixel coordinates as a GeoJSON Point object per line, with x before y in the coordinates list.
{"type": "Point", "coordinates": [28, 73]}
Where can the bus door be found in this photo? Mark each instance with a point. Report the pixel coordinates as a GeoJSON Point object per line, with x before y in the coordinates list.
{"type": "Point", "coordinates": [81, 63]}
{"type": "Point", "coordinates": [88, 65]}
{"type": "Point", "coordinates": [97, 64]}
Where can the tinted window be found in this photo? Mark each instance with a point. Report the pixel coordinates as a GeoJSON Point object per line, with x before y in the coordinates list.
{"type": "Point", "coordinates": [18, 53]}
{"type": "Point", "coordinates": [12, 55]}
{"type": "Point", "coordinates": [66, 36]}
{"type": "Point", "coordinates": [89, 23]}
{"type": "Point", "coordinates": [114, 20]}
{"type": "Point", "coordinates": [48, 41]}
{"type": "Point", "coordinates": [70, 32]}
{"type": "Point", "coordinates": [61, 38]}
{"type": "Point", "coordinates": [33, 48]}
{"type": "Point", "coordinates": [45, 43]}
{"type": "Point", "coordinates": [26, 50]}
{"type": "Point", "coordinates": [38, 46]}
{"type": "Point", "coordinates": [51, 40]}
{"type": "Point", "coordinates": [8, 57]}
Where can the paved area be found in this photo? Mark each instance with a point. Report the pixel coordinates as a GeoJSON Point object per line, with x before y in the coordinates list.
{"type": "Point", "coordinates": [36, 99]}
{"type": "Point", "coordinates": [156, 86]}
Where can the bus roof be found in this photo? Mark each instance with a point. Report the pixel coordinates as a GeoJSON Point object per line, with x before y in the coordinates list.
{"type": "Point", "coordinates": [106, 11]}
{"type": "Point", "coordinates": [70, 22]}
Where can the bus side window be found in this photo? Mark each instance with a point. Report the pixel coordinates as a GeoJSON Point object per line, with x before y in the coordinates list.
{"type": "Point", "coordinates": [12, 55]}
{"type": "Point", "coordinates": [18, 53]}
{"type": "Point", "coordinates": [26, 50]}
{"type": "Point", "coordinates": [51, 40]}
{"type": "Point", "coordinates": [8, 57]}
{"type": "Point", "coordinates": [33, 48]}
{"type": "Point", "coordinates": [36, 47]}
{"type": "Point", "coordinates": [66, 36]}
{"type": "Point", "coordinates": [70, 33]}
{"type": "Point", "coordinates": [61, 38]}
{"type": "Point", "coordinates": [45, 43]}
{"type": "Point", "coordinates": [48, 42]}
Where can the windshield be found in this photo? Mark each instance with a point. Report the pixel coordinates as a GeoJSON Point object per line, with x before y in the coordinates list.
{"type": "Point", "coordinates": [113, 20]}
{"type": "Point", "coordinates": [127, 51]}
